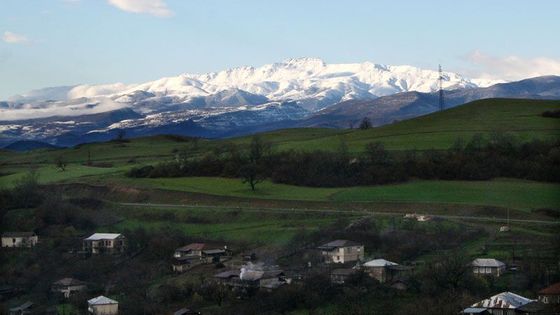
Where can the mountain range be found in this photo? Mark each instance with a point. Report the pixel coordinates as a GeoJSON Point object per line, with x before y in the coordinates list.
{"type": "Point", "coordinates": [294, 93]}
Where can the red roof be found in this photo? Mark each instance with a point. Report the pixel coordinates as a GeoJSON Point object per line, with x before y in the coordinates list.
{"type": "Point", "coordinates": [551, 290]}
{"type": "Point", "coordinates": [193, 246]}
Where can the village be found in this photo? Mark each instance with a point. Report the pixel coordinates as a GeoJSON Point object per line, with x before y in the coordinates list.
{"type": "Point", "coordinates": [243, 274]}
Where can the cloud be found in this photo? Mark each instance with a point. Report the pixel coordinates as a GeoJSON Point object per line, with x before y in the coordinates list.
{"type": "Point", "coordinates": [13, 38]}
{"type": "Point", "coordinates": [153, 7]}
{"type": "Point", "coordinates": [72, 108]}
{"type": "Point", "coordinates": [511, 67]}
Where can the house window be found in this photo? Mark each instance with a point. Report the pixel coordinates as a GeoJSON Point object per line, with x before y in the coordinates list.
{"type": "Point", "coordinates": [13, 240]}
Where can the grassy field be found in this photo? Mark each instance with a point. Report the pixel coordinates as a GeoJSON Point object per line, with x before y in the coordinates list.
{"type": "Point", "coordinates": [521, 118]}
{"type": "Point", "coordinates": [514, 194]}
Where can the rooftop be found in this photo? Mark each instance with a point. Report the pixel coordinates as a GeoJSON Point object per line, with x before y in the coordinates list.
{"type": "Point", "coordinates": [487, 262]}
{"type": "Point", "coordinates": [338, 243]}
{"type": "Point", "coordinates": [18, 234]}
{"type": "Point", "coordinates": [504, 300]}
{"type": "Point", "coordinates": [379, 263]}
{"type": "Point", "coordinates": [101, 300]}
{"type": "Point", "coordinates": [103, 236]}
{"type": "Point", "coordinates": [193, 246]}
{"type": "Point", "coordinates": [551, 290]}
{"type": "Point", "coordinates": [474, 310]}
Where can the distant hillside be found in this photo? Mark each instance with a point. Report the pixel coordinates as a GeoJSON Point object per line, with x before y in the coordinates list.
{"type": "Point", "coordinates": [387, 109]}
{"type": "Point", "coordinates": [521, 118]}
{"type": "Point", "coordinates": [28, 145]}
{"type": "Point", "coordinates": [235, 112]}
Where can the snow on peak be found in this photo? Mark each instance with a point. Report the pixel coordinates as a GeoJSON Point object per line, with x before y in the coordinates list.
{"type": "Point", "coordinates": [312, 82]}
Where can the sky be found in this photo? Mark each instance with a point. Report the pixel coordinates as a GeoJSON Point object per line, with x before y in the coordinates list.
{"type": "Point", "coordinates": [47, 43]}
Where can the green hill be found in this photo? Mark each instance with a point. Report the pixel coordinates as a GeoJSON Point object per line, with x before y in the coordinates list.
{"type": "Point", "coordinates": [520, 118]}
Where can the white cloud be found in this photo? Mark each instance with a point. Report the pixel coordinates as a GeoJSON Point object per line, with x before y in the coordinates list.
{"type": "Point", "coordinates": [511, 67]}
{"type": "Point", "coordinates": [13, 38]}
{"type": "Point", "coordinates": [30, 111]}
{"type": "Point", "coordinates": [153, 7]}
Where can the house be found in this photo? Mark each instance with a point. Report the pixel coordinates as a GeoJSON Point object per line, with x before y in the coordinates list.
{"type": "Point", "coordinates": [385, 271]}
{"type": "Point", "coordinates": [341, 275]}
{"type": "Point", "coordinates": [68, 286]}
{"type": "Point", "coordinates": [203, 252]}
{"type": "Point", "coordinates": [182, 264]}
{"type": "Point", "coordinates": [102, 305]}
{"type": "Point", "coordinates": [488, 266]}
{"type": "Point", "coordinates": [186, 311]}
{"type": "Point", "coordinates": [342, 251]}
{"type": "Point", "coordinates": [23, 309]}
{"type": "Point", "coordinates": [251, 278]}
{"type": "Point", "coordinates": [19, 239]}
{"type": "Point", "coordinates": [99, 243]}
{"type": "Point", "coordinates": [550, 295]}
{"type": "Point", "coordinates": [505, 303]}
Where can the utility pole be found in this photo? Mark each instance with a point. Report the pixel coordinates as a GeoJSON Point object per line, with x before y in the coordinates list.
{"type": "Point", "coordinates": [441, 101]}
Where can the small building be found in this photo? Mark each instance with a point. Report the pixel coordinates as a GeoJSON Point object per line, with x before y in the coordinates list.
{"type": "Point", "coordinates": [182, 264]}
{"type": "Point", "coordinates": [102, 305]}
{"type": "Point", "coordinates": [208, 254]}
{"type": "Point", "coordinates": [100, 243]}
{"type": "Point", "coordinates": [68, 286]}
{"type": "Point", "coordinates": [19, 239]}
{"type": "Point", "coordinates": [341, 275]}
{"type": "Point", "coordinates": [24, 309]}
{"type": "Point", "coordinates": [505, 303]}
{"type": "Point", "coordinates": [249, 278]}
{"type": "Point", "coordinates": [385, 271]}
{"type": "Point", "coordinates": [342, 251]}
{"type": "Point", "coordinates": [550, 295]}
{"type": "Point", "coordinates": [488, 266]}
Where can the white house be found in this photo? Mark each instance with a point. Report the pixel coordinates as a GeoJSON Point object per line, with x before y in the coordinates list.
{"type": "Point", "coordinates": [488, 266]}
{"type": "Point", "coordinates": [342, 251]}
{"type": "Point", "coordinates": [505, 303]}
{"type": "Point", "coordinates": [383, 270]}
{"type": "Point", "coordinates": [102, 305]}
{"type": "Point", "coordinates": [19, 239]}
{"type": "Point", "coordinates": [104, 243]}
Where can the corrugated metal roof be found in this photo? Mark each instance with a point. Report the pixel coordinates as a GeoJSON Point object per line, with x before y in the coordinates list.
{"type": "Point", "coordinates": [102, 236]}
{"type": "Point", "coordinates": [379, 263]}
{"type": "Point", "coordinates": [101, 300]}
{"type": "Point", "coordinates": [474, 310]}
{"type": "Point", "coordinates": [337, 244]}
{"type": "Point", "coordinates": [193, 246]}
{"type": "Point", "coordinates": [504, 300]}
{"type": "Point", "coordinates": [487, 262]}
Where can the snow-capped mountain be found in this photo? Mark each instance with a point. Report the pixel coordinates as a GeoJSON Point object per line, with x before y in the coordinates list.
{"type": "Point", "coordinates": [312, 83]}
{"type": "Point", "coordinates": [218, 104]}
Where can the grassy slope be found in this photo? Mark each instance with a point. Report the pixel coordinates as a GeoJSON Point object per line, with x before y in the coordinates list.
{"type": "Point", "coordinates": [515, 194]}
{"type": "Point", "coordinates": [439, 130]}
{"type": "Point", "coordinates": [435, 131]}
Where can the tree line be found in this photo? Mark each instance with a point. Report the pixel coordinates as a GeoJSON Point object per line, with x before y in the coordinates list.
{"type": "Point", "coordinates": [480, 158]}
